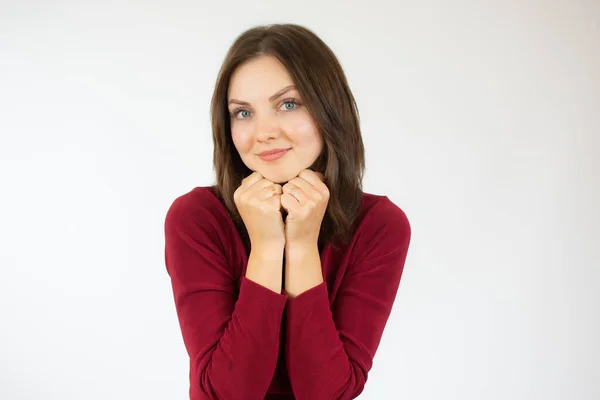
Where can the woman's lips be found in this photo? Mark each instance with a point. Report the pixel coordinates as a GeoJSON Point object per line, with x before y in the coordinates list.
{"type": "Point", "coordinates": [273, 155]}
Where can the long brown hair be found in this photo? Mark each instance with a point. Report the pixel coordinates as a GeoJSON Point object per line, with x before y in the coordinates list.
{"type": "Point", "coordinates": [322, 84]}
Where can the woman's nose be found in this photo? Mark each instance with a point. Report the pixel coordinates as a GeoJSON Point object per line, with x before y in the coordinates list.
{"type": "Point", "coordinates": [267, 128]}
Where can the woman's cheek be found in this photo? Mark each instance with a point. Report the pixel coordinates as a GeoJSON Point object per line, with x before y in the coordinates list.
{"type": "Point", "coordinates": [303, 128]}
{"type": "Point", "coordinates": [241, 139]}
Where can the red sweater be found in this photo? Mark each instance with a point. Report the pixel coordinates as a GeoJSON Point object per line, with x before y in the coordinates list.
{"type": "Point", "coordinates": [246, 341]}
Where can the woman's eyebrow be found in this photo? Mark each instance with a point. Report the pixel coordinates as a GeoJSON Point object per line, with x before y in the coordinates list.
{"type": "Point", "coordinates": [275, 96]}
{"type": "Point", "coordinates": [281, 92]}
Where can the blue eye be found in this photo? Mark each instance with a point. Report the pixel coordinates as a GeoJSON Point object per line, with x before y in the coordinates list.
{"type": "Point", "coordinates": [286, 105]}
{"type": "Point", "coordinates": [244, 113]}
{"type": "Point", "coordinates": [289, 104]}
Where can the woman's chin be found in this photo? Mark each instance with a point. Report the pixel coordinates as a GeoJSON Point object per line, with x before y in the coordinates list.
{"type": "Point", "coordinates": [279, 177]}
{"type": "Point", "coordinates": [281, 173]}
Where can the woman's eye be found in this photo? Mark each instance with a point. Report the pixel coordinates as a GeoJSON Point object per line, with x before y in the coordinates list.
{"type": "Point", "coordinates": [241, 114]}
{"type": "Point", "coordinates": [289, 105]}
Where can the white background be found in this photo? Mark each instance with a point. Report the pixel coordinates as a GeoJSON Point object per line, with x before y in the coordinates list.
{"type": "Point", "coordinates": [481, 120]}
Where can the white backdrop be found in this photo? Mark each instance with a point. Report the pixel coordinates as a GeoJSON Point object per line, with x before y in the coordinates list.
{"type": "Point", "coordinates": [481, 120]}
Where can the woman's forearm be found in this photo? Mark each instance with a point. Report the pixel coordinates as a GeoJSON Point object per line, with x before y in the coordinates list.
{"type": "Point", "coordinates": [265, 266]}
{"type": "Point", "coordinates": [302, 268]}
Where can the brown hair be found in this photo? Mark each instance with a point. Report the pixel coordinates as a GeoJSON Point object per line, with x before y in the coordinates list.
{"type": "Point", "coordinates": [322, 84]}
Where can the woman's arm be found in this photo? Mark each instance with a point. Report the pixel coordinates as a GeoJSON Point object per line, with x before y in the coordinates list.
{"type": "Point", "coordinates": [330, 350]}
{"type": "Point", "coordinates": [232, 340]}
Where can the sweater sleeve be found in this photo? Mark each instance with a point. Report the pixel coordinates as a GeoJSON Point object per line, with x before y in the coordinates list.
{"type": "Point", "coordinates": [232, 339]}
{"type": "Point", "coordinates": [330, 350]}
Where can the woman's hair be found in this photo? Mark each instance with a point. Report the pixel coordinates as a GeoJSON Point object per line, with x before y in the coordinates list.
{"type": "Point", "coordinates": [322, 84]}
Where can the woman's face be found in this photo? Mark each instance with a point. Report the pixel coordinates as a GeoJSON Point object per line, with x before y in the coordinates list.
{"type": "Point", "coordinates": [267, 113]}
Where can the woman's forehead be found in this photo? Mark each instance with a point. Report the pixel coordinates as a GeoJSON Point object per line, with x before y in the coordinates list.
{"type": "Point", "coordinates": [258, 79]}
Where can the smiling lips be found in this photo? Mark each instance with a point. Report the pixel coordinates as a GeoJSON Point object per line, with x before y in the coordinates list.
{"type": "Point", "coordinates": [272, 155]}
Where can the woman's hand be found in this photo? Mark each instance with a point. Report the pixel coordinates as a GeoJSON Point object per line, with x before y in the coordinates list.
{"type": "Point", "coordinates": [258, 201]}
{"type": "Point", "coordinates": [305, 199]}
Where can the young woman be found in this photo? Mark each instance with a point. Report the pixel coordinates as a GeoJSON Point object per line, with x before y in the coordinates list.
{"type": "Point", "coordinates": [284, 273]}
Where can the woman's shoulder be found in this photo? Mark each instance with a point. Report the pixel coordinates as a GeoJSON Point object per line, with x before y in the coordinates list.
{"type": "Point", "coordinates": [376, 208]}
{"type": "Point", "coordinates": [198, 204]}
{"type": "Point", "coordinates": [198, 199]}
{"type": "Point", "coordinates": [381, 222]}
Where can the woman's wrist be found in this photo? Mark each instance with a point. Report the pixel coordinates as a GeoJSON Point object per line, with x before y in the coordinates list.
{"type": "Point", "coordinates": [268, 250]}
{"type": "Point", "coordinates": [265, 266]}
